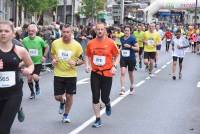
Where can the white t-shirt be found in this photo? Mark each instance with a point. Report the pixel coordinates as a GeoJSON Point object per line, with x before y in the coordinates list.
{"type": "Point", "coordinates": [182, 42]}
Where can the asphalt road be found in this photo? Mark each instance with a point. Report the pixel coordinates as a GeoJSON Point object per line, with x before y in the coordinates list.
{"type": "Point", "coordinates": [160, 105]}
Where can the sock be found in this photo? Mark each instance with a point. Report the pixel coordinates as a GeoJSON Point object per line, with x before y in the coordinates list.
{"type": "Point", "coordinates": [98, 119]}
{"type": "Point", "coordinates": [65, 114]}
{"type": "Point", "coordinates": [37, 84]}
{"type": "Point", "coordinates": [30, 84]}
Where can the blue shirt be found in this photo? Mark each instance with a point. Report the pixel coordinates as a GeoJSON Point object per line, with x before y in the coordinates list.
{"type": "Point", "coordinates": [128, 53]}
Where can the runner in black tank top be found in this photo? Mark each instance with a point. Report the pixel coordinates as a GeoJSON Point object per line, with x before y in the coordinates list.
{"type": "Point", "coordinates": [10, 80]}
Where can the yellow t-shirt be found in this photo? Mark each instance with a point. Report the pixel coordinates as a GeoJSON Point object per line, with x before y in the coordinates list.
{"type": "Point", "coordinates": [139, 37]}
{"type": "Point", "coordinates": [152, 39]}
{"type": "Point", "coordinates": [119, 35]}
{"type": "Point", "coordinates": [63, 53]}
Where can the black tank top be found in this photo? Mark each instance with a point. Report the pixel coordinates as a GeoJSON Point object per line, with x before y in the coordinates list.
{"type": "Point", "coordinates": [11, 64]}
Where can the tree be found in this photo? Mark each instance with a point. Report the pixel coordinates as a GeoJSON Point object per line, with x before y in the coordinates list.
{"type": "Point", "coordinates": [90, 8]}
{"type": "Point", "coordinates": [37, 7]}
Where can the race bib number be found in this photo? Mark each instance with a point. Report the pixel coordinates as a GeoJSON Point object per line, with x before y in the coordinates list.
{"type": "Point", "coordinates": [168, 39]}
{"type": "Point", "coordinates": [99, 60]}
{"type": "Point", "coordinates": [125, 53]}
{"type": "Point", "coordinates": [33, 52]}
{"type": "Point", "coordinates": [7, 79]}
{"type": "Point", "coordinates": [150, 42]}
{"type": "Point", "coordinates": [64, 55]}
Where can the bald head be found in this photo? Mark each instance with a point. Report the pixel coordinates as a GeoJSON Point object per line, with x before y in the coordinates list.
{"type": "Point", "coordinates": [100, 30]}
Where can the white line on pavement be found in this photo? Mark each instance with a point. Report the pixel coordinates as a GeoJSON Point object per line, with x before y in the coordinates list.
{"type": "Point", "coordinates": [113, 103]}
{"type": "Point", "coordinates": [198, 84]}
{"type": "Point", "coordinates": [157, 71]}
{"type": "Point", "coordinates": [83, 81]}
{"type": "Point", "coordinates": [164, 66]}
{"type": "Point", "coordinates": [140, 83]}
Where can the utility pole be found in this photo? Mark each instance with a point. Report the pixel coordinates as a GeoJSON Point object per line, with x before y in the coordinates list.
{"type": "Point", "coordinates": [64, 10]}
{"type": "Point", "coordinates": [122, 12]}
{"type": "Point", "coordinates": [195, 19]}
{"type": "Point", "coordinates": [73, 11]}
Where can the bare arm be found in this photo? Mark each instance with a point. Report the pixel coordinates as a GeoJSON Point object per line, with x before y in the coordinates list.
{"type": "Point", "coordinates": [26, 59]}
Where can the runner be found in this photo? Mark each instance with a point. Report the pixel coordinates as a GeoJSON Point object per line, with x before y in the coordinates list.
{"type": "Point", "coordinates": [139, 35]}
{"type": "Point", "coordinates": [11, 56]}
{"type": "Point", "coordinates": [35, 46]}
{"type": "Point", "coordinates": [102, 57]}
{"type": "Point", "coordinates": [159, 45]}
{"type": "Point", "coordinates": [168, 38]}
{"type": "Point", "coordinates": [66, 55]}
{"type": "Point", "coordinates": [179, 44]}
{"type": "Point", "coordinates": [151, 40]}
{"type": "Point", "coordinates": [128, 59]}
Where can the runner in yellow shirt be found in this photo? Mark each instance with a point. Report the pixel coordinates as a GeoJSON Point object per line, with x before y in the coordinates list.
{"type": "Point", "coordinates": [66, 55]}
{"type": "Point", "coordinates": [151, 40]}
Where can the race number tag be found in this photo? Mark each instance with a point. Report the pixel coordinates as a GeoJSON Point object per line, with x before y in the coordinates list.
{"type": "Point", "coordinates": [125, 53]}
{"type": "Point", "coordinates": [168, 39]}
{"type": "Point", "coordinates": [99, 60]}
{"type": "Point", "coordinates": [33, 52]}
{"type": "Point", "coordinates": [7, 79]}
{"type": "Point", "coordinates": [64, 55]}
{"type": "Point", "coordinates": [150, 42]}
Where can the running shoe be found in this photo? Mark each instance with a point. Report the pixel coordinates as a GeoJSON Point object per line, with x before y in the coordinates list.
{"type": "Point", "coordinates": [174, 77]}
{"type": "Point", "coordinates": [140, 64]}
{"type": "Point", "coordinates": [37, 91]}
{"type": "Point", "coordinates": [66, 118]}
{"type": "Point", "coordinates": [97, 124]}
{"type": "Point", "coordinates": [32, 96]}
{"type": "Point", "coordinates": [122, 92]}
{"type": "Point", "coordinates": [61, 108]}
{"type": "Point", "coordinates": [21, 115]}
{"type": "Point", "coordinates": [180, 76]}
{"type": "Point", "coordinates": [108, 110]}
{"type": "Point", "coordinates": [156, 66]}
{"type": "Point", "coordinates": [132, 91]}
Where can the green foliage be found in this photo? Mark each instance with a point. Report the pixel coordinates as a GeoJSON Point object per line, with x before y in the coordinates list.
{"type": "Point", "coordinates": [37, 6]}
{"type": "Point", "coordinates": [90, 8]}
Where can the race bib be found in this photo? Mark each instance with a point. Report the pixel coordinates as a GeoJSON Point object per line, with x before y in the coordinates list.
{"type": "Point", "coordinates": [64, 55]}
{"type": "Point", "coordinates": [150, 42]}
{"type": "Point", "coordinates": [99, 60]}
{"type": "Point", "coordinates": [168, 39]}
{"type": "Point", "coordinates": [33, 52]}
{"type": "Point", "coordinates": [125, 53]}
{"type": "Point", "coordinates": [7, 79]}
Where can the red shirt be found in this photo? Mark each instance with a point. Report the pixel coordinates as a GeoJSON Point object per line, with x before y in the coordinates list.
{"type": "Point", "coordinates": [168, 35]}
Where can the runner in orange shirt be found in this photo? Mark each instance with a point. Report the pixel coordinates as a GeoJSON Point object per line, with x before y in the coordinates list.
{"type": "Point", "coordinates": [102, 57]}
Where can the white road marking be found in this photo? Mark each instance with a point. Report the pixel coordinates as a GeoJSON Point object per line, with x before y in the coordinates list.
{"type": "Point", "coordinates": [157, 71]}
{"type": "Point", "coordinates": [140, 83]}
{"type": "Point", "coordinates": [198, 84]}
{"type": "Point", "coordinates": [113, 103]}
{"type": "Point", "coordinates": [164, 66]}
{"type": "Point", "coordinates": [148, 78]}
{"type": "Point", "coordinates": [83, 81]}
{"type": "Point", "coordinates": [169, 62]}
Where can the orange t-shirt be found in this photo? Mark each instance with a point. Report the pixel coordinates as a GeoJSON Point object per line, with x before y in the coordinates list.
{"type": "Point", "coordinates": [101, 54]}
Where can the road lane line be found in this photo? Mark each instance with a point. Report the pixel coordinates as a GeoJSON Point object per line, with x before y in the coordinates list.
{"type": "Point", "coordinates": [164, 66]}
{"type": "Point", "coordinates": [140, 83]}
{"type": "Point", "coordinates": [83, 81]}
{"type": "Point", "coordinates": [113, 103]}
{"type": "Point", "coordinates": [157, 71]}
{"type": "Point", "coordinates": [198, 84]}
